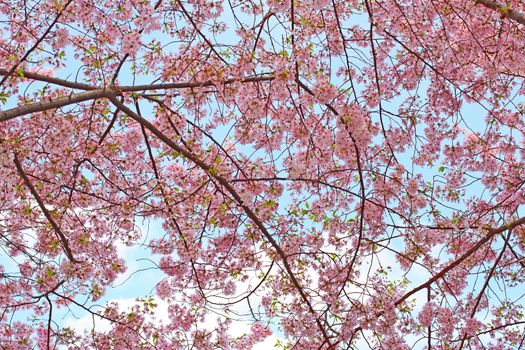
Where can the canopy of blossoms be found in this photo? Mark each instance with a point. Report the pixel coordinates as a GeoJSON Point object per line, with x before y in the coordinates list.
{"type": "Point", "coordinates": [337, 174]}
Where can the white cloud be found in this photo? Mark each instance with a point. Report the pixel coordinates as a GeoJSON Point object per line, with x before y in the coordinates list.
{"type": "Point", "coordinates": [89, 321]}
{"type": "Point", "coordinates": [268, 343]}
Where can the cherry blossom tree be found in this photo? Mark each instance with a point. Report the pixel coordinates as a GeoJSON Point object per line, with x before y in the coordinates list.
{"type": "Point", "coordinates": [349, 173]}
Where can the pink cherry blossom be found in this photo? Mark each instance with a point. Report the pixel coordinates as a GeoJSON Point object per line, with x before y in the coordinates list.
{"type": "Point", "coordinates": [315, 175]}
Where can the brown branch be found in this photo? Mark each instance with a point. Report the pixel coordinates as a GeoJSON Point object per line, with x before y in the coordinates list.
{"type": "Point", "coordinates": [110, 126]}
{"type": "Point", "coordinates": [145, 87]}
{"type": "Point", "coordinates": [217, 143]}
{"type": "Point", "coordinates": [49, 320]}
{"type": "Point", "coordinates": [195, 84]}
{"type": "Point", "coordinates": [53, 104]}
{"type": "Point", "coordinates": [491, 233]}
{"type": "Point", "coordinates": [429, 329]}
{"type": "Point", "coordinates": [345, 46]}
{"type": "Point", "coordinates": [261, 24]}
{"type": "Point", "coordinates": [250, 293]}
{"type": "Point", "coordinates": [47, 214]}
{"type": "Point", "coordinates": [123, 60]}
{"type": "Point", "coordinates": [504, 11]}
{"type": "Point", "coordinates": [114, 91]}
{"type": "Point", "coordinates": [125, 324]}
{"type": "Point", "coordinates": [51, 80]}
{"type": "Point", "coordinates": [361, 182]}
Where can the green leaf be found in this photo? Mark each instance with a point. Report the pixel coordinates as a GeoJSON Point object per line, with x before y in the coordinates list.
{"type": "Point", "coordinates": [3, 97]}
{"type": "Point", "coordinates": [20, 72]}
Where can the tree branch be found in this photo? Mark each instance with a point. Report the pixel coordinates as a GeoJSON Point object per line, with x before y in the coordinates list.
{"type": "Point", "coordinates": [492, 232]}
{"type": "Point", "coordinates": [51, 80]}
{"type": "Point", "coordinates": [47, 214]}
{"type": "Point", "coordinates": [53, 104]}
{"type": "Point", "coordinates": [486, 284]}
{"type": "Point", "coordinates": [504, 11]}
{"type": "Point", "coordinates": [195, 84]}
{"type": "Point", "coordinates": [96, 93]}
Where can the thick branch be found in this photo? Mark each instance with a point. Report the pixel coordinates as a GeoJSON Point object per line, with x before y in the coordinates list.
{"type": "Point", "coordinates": [51, 80]}
{"type": "Point", "coordinates": [53, 104]}
{"type": "Point", "coordinates": [503, 10]}
{"type": "Point", "coordinates": [106, 92]}
{"type": "Point", "coordinates": [195, 84]}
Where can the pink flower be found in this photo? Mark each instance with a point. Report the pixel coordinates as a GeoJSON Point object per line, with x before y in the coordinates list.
{"type": "Point", "coordinates": [426, 315]}
{"type": "Point", "coordinates": [325, 92]}
{"type": "Point", "coordinates": [412, 187]}
{"type": "Point", "coordinates": [130, 43]}
{"type": "Point", "coordinates": [472, 326]}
